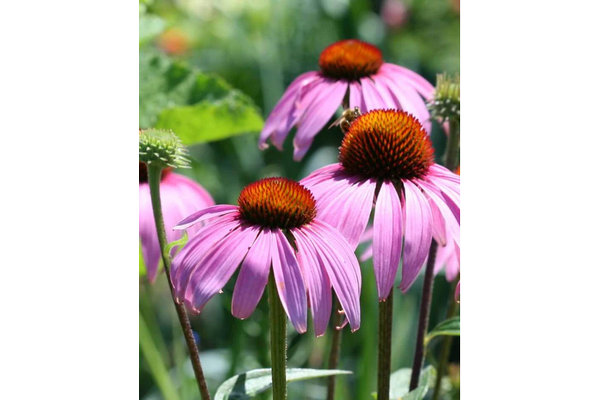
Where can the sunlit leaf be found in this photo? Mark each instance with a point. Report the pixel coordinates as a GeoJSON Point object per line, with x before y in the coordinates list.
{"type": "Point", "coordinates": [400, 383]}
{"type": "Point", "coordinates": [251, 383]}
{"type": "Point", "coordinates": [198, 107]}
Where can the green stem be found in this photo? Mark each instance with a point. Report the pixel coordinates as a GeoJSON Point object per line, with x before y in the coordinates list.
{"type": "Point", "coordinates": [155, 362]}
{"type": "Point", "coordinates": [336, 342]}
{"type": "Point", "coordinates": [384, 358]}
{"type": "Point", "coordinates": [423, 317]}
{"type": "Point", "coordinates": [447, 344]}
{"type": "Point", "coordinates": [278, 328]}
{"type": "Point", "coordinates": [154, 175]}
{"type": "Point", "coordinates": [453, 146]}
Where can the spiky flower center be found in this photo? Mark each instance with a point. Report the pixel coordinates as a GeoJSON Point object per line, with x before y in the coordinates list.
{"type": "Point", "coordinates": [386, 144]}
{"type": "Point", "coordinates": [144, 173]}
{"type": "Point", "coordinates": [350, 60]}
{"type": "Point", "coordinates": [277, 203]}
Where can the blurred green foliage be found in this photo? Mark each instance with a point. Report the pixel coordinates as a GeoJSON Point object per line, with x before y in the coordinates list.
{"type": "Point", "coordinates": [246, 53]}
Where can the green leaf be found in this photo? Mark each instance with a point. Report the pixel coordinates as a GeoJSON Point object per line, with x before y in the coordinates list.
{"type": "Point", "coordinates": [449, 327]}
{"type": "Point", "coordinates": [150, 27]}
{"type": "Point", "coordinates": [198, 107]}
{"type": "Point", "coordinates": [400, 383]}
{"type": "Point", "coordinates": [205, 121]}
{"type": "Point", "coordinates": [157, 368]}
{"type": "Point", "coordinates": [251, 383]}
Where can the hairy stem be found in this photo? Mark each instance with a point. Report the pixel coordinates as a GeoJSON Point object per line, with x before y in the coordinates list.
{"type": "Point", "coordinates": [453, 146]}
{"type": "Point", "coordinates": [154, 175]}
{"type": "Point", "coordinates": [336, 342]}
{"type": "Point", "coordinates": [278, 328]}
{"type": "Point", "coordinates": [384, 358]}
{"type": "Point", "coordinates": [423, 317]}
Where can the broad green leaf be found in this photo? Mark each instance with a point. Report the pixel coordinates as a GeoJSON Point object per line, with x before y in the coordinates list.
{"type": "Point", "coordinates": [153, 358]}
{"type": "Point", "coordinates": [206, 121]}
{"type": "Point", "coordinates": [198, 107]}
{"type": "Point", "coordinates": [251, 383]}
{"type": "Point", "coordinates": [449, 327]}
{"type": "Point", "coordinates": [400, 383]}
{"type": "Point", "coordinates": [150, 27]}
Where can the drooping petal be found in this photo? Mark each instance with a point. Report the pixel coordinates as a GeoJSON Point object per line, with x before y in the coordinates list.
{"type": "Point", "coordinates": [188, 259]}
{"type": "Point", "coordinates": [349, 210]}
{"type": "Point", "coordinates": [326, 177]}
{"type": "Point", "coordinates": [277, 120]}
{"type": "Point", "coordinates": [289, 281]}
{"type": "Point", "coordinates": [253, 276]}
{"type": "Point", "coordinates": [408, 99]}
{"type": "Point", "coordinates": [441, 171]}
{"type": "Point", "coordinates": [317, 114]}
{"type": "Point", "coordinates": [317, 282]}
{"type": "Point", "coordinates": [220, 262]}
{"type": "Point", "coordinates": [387, 238]}
{"type": "Point", "coordinates": [356, 97]}
{"type": "Point", "coordinates": [341, 265]}
{"type": "Point", "coordinates": [452, 265]}
{"type": "Point", "coordinates": [193, 195]}
{"type": "Point", "coordinates": [448, 220]}
{"type": "Point", "coordinates": [384, 92]}
{"type": "Point", "coordinates": [368, 253]}
{"type": "Point", "coordinates": [209, 212]}
{"type": "Point", "coordinates": [148, 237]}
{"type": "Point", "coordinates": [417, 233]}
{"type": "Point", "coordinates": [421, 84]}
{"type": "Point", "coordinates": [371, 96]}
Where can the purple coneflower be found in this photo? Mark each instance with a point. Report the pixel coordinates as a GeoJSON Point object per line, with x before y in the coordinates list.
{"type": "Point", "coordinates": [386, 162]}
{"type": "Point", "coordinates": [275, 227]}
{"type": "Point", "coordinates": [180, 196]}
{"type": "Point", "coordinates": [349, 65]}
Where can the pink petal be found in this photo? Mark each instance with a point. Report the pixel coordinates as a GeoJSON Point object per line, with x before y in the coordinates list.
{"type": "Point", "coordinates": [452, 265]}
{"type": "Point", "coordinates": [387, 238]}
{"type": "Point", "coordinates": [148, 237]}
{"type": "Point", "coordinates": [349, 211]}
{"type": "Point", "coordinates": [449, 194]}
{"type": "Point", "coordinates": [188, 259]}
{"type": "Point", "coordinates": [288, 278]}
{"type": "Point", "coordinates": [424, 88]}
{"type": "Point", "coordinates": [368, 253]}
{"type": "Point", "coordinates": [325, 176]}
{"type": "Point", "coordinates": [253, 276]}
{"type": "Point", "coordinates": [218, 266]}
{"type": "Point", "coordinates": [417, 233]}
{"type": "Point", "coordinates": [444, 253]}
{"type": "Point", "coordinates": [356, 97]}
{"type": "Point", "coordinates": [371, 96]}
{"type": "Point", "coordinates": [384, 92]}
{"type": "Point", "coordinates": [441, 171]}
{"type": "Point", "coordinates": [209, 212]}
{"type": "Point", "coordinates": [342, 267]}
{"type": "Point", "coordinates": [408, 99]}
{"type": "Point", "coordinates": [330, 96]}
{"type": "Point", "coordinates": [277, 122]}
{"type": "Point", "coordinates": [317, 282]}
{"type": "Point", "coordinates": [194, 195]}
{"type": "Point", "coordinates": [448, 220]}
